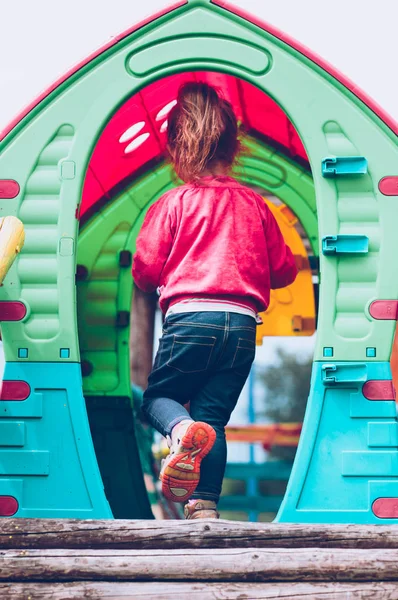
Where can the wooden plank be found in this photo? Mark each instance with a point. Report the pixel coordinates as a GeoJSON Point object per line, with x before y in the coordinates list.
{"type": "Point", "coordinates": [73, 533]}
{"type": "Point", "coordinates": [199, 591]}
{"type": "Point", "coordinates": [251, 564]}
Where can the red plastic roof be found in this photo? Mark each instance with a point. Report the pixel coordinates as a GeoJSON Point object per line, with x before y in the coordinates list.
{"type": "Point", "coordinates": [136, 134]}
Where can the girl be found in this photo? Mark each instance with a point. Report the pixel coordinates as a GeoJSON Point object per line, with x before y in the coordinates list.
{"type": "Point", "coordinates": [213, 250]}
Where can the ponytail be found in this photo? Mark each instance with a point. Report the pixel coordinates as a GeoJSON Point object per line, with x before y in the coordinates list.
{"type": "Point", "coordinates": [202, 130]}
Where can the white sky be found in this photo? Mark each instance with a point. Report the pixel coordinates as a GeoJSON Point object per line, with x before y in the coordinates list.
{"type": "Point", "coordinates": [41, 39]}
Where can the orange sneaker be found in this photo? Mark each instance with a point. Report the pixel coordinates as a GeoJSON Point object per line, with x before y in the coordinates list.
{"type": "Point", "coordinates": [180, 472]}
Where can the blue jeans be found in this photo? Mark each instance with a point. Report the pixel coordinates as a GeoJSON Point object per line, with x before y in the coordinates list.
{"type": "Point", "coordinates": [204, 358]}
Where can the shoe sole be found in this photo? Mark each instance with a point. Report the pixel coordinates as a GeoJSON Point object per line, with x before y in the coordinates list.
{"type": "Point", "coordinates": [181, 473]}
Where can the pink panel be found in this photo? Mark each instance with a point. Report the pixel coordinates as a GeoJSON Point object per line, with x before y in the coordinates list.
{"type": "Point", "coordinates": [111, 161]}
{"type": "Point", "coordinates": [385, 508]}
{"type": "Point", "coordinates": [156, 99]}
{"type": "Point", "coordinates": [8, 189]}
{"type": "Point", "coordinates": [389, 186]}
{"type": "Point", "coordinates": [229, 86]}
{"type": "Point", "coordinates": [12, 311]}
{"type": "Point", "coordinates": [145, 114]}
{"type": "Point", "coordinates": [8, 506]}
{"type": "Point", "coordinates": [15, 391]}
{"type": "Point", "coordinates": [92, 189]}
{"type": "Point", "coordinates": [384, 310]}
{"type": "Point", "coordinates": [379, 390]}
{"type": "Point", "coordinates": [264, 115]}
{"type": "Point", "coordinates": [158, 96]}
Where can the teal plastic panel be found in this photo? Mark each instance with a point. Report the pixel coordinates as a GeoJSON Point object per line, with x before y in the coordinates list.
{"type": "Point", "coordinates": [57, 471]}
{"type": "Point", "coordinates": [383, 434]}
{"type": "Point", "coordinates": [12, 434]}
{"type": "Point", "coordinates": [348, 452]}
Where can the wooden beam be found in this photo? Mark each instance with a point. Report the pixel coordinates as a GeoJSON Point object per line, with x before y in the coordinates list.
{"type": "Point", "coordinates": [197, 591]}
{"type": "Point", "coordinates": [71, 533]}
{"type": "Point", "coordinates": [240, 564]}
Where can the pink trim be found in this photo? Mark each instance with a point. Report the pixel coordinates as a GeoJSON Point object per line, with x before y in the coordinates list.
{"type": "Point", "coordinates": [12, 311]}
{"type": "Point", "coordinates": [8, 506]}
{"type": "Point", "coordinates": [385, 508]}
{"type": "Point", "coordinates": [379, 390]}
{"type": "Point", "coordinates": [8, 189]}
{"type": "Point", "coordinates": [384, 310]}
{"type": "Point", "coordinates": [84, 62]}
{"type": "Point", "coordinates": [15, 391]}
{"type": "Point", "coordinates": [350, 85]}
{"type": "Point", "coordinates": [389, 185]}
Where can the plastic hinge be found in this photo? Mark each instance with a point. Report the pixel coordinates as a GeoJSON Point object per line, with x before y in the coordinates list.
{"type": "Point", "coordinates": [333, 166]}
{"type": "Point", "coordinates": [333, 374]}
{"type": "Point", "coordinates": [345, 244]}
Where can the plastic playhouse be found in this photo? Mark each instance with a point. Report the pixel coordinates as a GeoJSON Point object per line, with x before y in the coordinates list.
{"type": "Point", "coordinates": [80, 167]}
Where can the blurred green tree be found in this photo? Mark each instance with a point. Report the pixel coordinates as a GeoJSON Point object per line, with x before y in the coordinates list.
{"type": "Point", "coordinates": [286, 384]}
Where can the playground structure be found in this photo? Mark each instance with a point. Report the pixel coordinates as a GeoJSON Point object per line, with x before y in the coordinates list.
{"type": "Point", "coordinates": [88, 153]}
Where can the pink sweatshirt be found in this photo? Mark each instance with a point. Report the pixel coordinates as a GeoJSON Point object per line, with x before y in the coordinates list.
{"type": "Point", "coordinates": [214, 239]}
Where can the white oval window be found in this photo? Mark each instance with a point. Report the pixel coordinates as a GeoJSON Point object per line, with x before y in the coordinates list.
{"type": "Point", "coordinates": [165, 110]}
{"type": "Point", "coordinates": [136, 143]}
{"type": "Point", "coordinates": [131, 131]}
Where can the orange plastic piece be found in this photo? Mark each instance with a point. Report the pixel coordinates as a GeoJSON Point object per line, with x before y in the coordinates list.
{"type": "Point", "coordinates": [292, 309]}
{"type": "Point", "coordinates": [272, 434]}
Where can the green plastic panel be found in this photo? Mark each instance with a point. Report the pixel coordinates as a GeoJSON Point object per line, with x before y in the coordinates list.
{"type": "Point", "coordinates": [199, 36]}
{"type": "Point", "coordinates": [40, 278]}
{"type": "Point", "coordinates": [107, 287]}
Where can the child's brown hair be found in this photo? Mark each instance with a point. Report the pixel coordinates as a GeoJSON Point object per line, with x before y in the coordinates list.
{"type": "Point", "coordinates": [202, 130]}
